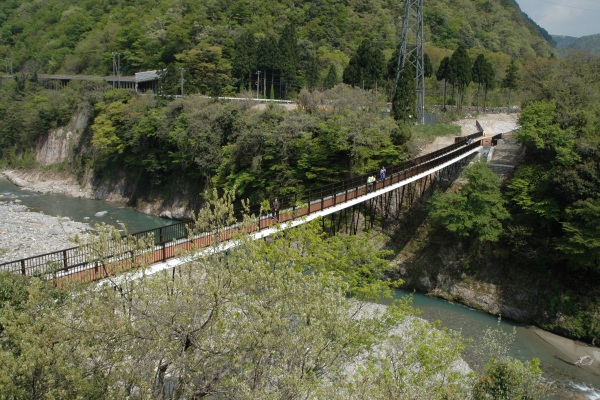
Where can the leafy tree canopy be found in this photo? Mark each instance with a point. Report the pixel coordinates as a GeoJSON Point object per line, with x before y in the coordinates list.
{"type": "Point", "coordinates": [81, 39]}
{"type": "Point", "coordinates": [264, 319]}
{"type": "Point", "coordinates": [476, 211]}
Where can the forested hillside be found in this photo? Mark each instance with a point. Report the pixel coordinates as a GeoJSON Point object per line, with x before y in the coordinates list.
{"type": "Point", "coordinates": [216, 48]}
{"type": "Point", "coordinates": [542, 226]}
{"type": "Point", "coordinates": [536, 238]}
{"type": "Point", "coordinates": [589, 43]}
{"type": "Point", "coordinates": [229, 40]}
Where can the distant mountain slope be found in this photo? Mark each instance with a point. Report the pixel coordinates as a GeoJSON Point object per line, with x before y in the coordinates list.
{"type": "Point", "coordinates": [81, 37]}
{"type": "Point", "coordinates": [563, 41]}
{"type": "Point", "coordinates": [498, 26]}
{"type": "Point", "coordinates": [590, 43]}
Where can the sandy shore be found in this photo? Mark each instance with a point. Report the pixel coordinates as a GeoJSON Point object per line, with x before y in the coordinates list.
{"type": "Point", "coordinates": [47, 182]}
{"type": "Point", "coordinates": [573, 352]}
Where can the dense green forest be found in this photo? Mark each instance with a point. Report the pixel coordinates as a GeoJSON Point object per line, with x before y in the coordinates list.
{"type": "Point", "coordinates": [336, 60]}
{"type": "Point", "coordinates": [221, 44]}
{"type": "Point", "coordinates": [303, 49]}
{"type": "Point", "coordinates": [555, 194]}
{"type": "Point", "coordinates": [544, 221]}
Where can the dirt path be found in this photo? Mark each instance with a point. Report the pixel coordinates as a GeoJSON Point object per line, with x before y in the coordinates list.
{"type": "Point", "coordinates": [491, 123]}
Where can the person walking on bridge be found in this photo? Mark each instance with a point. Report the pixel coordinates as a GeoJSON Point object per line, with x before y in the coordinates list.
{"type": "Point", "coordinates": [382, 172]}
{"type": "Point", "coordinates": [370, 182]}
{"type": "Point", "coordinates": [276, 209]}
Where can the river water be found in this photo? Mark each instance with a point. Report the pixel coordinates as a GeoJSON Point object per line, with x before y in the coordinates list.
{"type": "Point", "coordinates": [82, 210]}
{"type": "Point", "coordinates": [569, 379]}
{"type": "Point", "coordinates": [572, 381]}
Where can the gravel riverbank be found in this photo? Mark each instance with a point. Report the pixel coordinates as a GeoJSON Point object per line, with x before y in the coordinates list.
{"type": "Point", "coordinates": [24, 233]}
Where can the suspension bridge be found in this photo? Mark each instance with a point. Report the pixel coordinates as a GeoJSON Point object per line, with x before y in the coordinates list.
{"type": "Point", "coordinates": [403, 185]}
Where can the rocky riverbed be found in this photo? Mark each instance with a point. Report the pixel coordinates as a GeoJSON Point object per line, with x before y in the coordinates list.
{"type": "Point", "coordinates": [24, 233]}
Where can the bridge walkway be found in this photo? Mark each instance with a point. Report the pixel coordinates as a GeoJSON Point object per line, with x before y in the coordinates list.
{"type": "Point", "coordinates": [81, 264]}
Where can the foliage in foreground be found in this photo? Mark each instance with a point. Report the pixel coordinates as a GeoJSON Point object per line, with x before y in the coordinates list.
{"type": "Point", "coordinates": [265, 319]}
{"type": "Point", "coordinates": [504, 378]}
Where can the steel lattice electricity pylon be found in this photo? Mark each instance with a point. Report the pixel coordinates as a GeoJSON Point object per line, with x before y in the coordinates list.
{"type": "Point", "coordinates": [411, 50]}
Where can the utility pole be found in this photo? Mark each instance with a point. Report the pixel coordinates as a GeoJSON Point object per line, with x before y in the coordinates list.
{"type": "Point", "coordinates": [6, 67]}
{"type": "Point", "coordinates": [257, 83]}
{"type": "Point", "coordinates": [181, 70]}
{"type": "Point", "coordinates": [411, 50]}
{"type": "Point", "coordinates": [117, 68]}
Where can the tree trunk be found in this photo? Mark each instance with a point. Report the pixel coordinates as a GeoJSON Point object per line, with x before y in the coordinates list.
{"type": "Point", "coordinates": [452, 96]}
{"type": "Point", "coordinates": [485, 92]}
{"type": "Point", "coordinates": [445, 82]}
{"type": "Point", "coordinates": [273, 80]}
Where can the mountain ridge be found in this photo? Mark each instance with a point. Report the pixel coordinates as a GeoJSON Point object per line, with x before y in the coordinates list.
{"type": "Point", "coordinates": [589, 43]}
{"type": "Point", "coordinates": [59, 37]}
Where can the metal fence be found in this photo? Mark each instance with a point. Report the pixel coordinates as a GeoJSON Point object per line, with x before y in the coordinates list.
{"type": "Point", "coordinates": [87, 263]}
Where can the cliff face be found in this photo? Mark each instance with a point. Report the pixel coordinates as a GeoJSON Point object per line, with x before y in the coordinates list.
{"type": "Point", "coordinates": [55, 147]}
{"type": "Point", "coordinates": [58, 145]}
{"type": "Point", "coordinates": [62, 145]}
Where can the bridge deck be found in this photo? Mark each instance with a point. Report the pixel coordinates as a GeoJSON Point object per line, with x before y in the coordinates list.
{"type": "Point", "coordinates": [79, 264]}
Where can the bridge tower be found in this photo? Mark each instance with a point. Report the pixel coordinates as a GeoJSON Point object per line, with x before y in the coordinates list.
{"type": "Point", "coordinates": [411, 51]}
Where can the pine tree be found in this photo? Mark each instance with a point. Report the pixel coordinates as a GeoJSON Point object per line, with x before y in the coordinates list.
{"type": "Point", "coordinates": [427, 67]}
{"type": "Point", "coordinates": [244, 60]}
{"type": "Point", "coordinates": [366, 67]}
{"type": "Point", "coordinates": [403, 103]}
{"type": "Point", "coordinates": [353, 73]}
{"type": "Point", "coordinates": [268, 58]}
{"type": "Point", "coordinates": [478, 74]}
{"type": "Point", "coordinates": [462, 72]}
{"type": "Point", "coordinates": [288, 49]}
{"type": "Point", "coordinates": [391, 66]}
{"type": "Point", "coordinates": [510, 80]}
{"type": "Point", "coordinates": [489, 81]}
{"type": "Point", "coordinates": [331, 79]}
{"type": "Point", "coordinates": [312, 73]}
{"type": "Point", "coordinates": [170, 81]}
{"type": "Point", "coordinates": [444, 73]}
